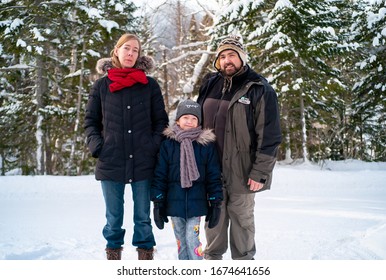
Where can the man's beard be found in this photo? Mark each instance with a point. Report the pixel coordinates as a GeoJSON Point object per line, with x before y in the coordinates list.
{"type": "Point", "coordinates": [230, 71]}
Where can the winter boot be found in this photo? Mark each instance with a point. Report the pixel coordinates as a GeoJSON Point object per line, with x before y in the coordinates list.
{"type": "Point", "coordinates": [114, 254]}
{"type": "Point", "coordinates": [145, 254]}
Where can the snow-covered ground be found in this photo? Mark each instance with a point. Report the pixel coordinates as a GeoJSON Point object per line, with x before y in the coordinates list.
{"type": "Point", "coordinates": [334, 213]}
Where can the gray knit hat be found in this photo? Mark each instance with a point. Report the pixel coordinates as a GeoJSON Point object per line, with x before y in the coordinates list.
{"type": "Point", "coordinates": [189, 107]}
{"type": "Point", "coordinates": [231, 42]}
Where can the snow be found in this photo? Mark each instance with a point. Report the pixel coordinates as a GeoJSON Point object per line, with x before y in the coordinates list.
{"type": "Point", "coordinates": [38, 35]}
{"type": "Point", "coordinates": [108, 24]}
{"type": "Point", "coordinates": [196, 4]}
{"type": "Point", "coordinates": [119, 7]}
{"type": "Point", "coordinates": [327, 30]}
{"type": "Point", "coordinates": [21, 43]}
{"type": "Point", "coordinates": [278, 39]}
{"type": "Point", "coordinates": [332, 212]}
{"type": "Point", "coordinates": [283, 4]}
{"type": "Point", "coordinates": [93, 53]}
{"type": "Point", "coordinates": [15, 24]}
{"type": "Point", "coordinates": [94, 13]}
{"type": "Point", "coordinates": [18, 66]}
{"type": "Point", "coordinates": [336, 211]}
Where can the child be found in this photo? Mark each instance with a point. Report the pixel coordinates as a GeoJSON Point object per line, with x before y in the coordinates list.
{"type": "Point", "coordinates": [187, 180]}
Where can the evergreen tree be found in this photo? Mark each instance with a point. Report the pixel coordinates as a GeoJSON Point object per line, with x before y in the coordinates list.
{"type": "Point", "coordinates": [369, 104]}
{"type": "Point", "coordinates": [49, 51]}
{"type": "Point", "coordinates": [306, 49]}
{"type": "Point", "coordinates": [292, 43]}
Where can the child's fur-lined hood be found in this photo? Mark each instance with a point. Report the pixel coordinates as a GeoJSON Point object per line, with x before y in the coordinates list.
{"type": "Point", "coordinates": [206, 136]}
{"type": "Point", "coordinates": [145, 63]}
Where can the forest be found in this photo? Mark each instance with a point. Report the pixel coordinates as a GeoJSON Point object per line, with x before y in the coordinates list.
{"type": "Point", "coordinates": [325, 59]}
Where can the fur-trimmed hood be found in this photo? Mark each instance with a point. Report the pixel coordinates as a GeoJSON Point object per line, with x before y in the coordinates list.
{"type": "Point", "coordinates": [145, 63]}
{"type": "Point", "coordinates": [206, 136]}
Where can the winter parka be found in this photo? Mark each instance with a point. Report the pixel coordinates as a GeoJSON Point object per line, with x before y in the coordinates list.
{"type": "Point", "coordinates": [248, 152]}
{"type": "Point", "coordinates": [124, 129]}
{"type": "Point", "coordinates": [166, 185]}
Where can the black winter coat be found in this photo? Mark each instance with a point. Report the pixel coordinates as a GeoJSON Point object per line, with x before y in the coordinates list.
{"type": "Point", "coordinates": [166, 186]}
{"type": "Point", "coordinates": [124, 130]}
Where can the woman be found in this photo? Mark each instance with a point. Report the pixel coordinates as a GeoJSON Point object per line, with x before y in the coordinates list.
{"type": "Point", "coordinates": [125, 118]}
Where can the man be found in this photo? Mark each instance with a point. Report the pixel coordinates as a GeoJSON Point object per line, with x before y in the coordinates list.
{"type": "Point", "coordinates": [242, 108]}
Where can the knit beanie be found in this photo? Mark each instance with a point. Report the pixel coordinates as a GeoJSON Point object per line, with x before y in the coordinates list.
{"type": "Point", "coordinates": [232, 42]}
{"type": "Point", "coordinates": [189, 107]}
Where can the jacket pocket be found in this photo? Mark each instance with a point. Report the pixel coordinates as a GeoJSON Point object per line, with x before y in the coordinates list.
{"type": "Point", "coordinates": [242, 164]}
{"type": "Point", "coordinates": [108, 148]}
{"type": "Point", "coordinates": [95, 145]}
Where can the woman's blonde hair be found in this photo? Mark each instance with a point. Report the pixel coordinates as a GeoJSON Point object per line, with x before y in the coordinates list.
{"type": "Point", "coordinates": [123, 39]}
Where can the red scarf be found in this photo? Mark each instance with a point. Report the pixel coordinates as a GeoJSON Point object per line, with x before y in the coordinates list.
{"type": "Point", "coordinates": [125, 77]}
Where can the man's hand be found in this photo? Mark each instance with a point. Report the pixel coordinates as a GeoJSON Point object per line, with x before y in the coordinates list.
{"type": "Point", "coordinates": [214, 212]}
{"type": "Point", "coordinates": [254, 186]}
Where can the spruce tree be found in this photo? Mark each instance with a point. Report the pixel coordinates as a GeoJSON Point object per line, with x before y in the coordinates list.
{"type": "Point", "coordinates": [369, 103]}
{"type": "Point", "coordinates": [293, 44]}
{"type": "Point", "coordinates": [48, 55]}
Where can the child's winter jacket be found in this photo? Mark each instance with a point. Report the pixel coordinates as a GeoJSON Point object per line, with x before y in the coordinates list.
{"type": "Point", "coordinates": [166, 186]}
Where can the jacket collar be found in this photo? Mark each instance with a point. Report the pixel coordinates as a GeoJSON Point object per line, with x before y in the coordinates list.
{"type": "Point", "coordinates": [205, 137]}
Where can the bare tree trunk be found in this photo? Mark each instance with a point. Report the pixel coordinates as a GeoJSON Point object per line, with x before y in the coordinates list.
{"type": "Point", "coordinates": [48, 152]}
{"type": "Point", "coordinates": [288, 154]}
{"type": "Point", "coordinates": [166, 78]}
{"type": "Point", "coordinates": [41, 88]}
{"type": "Point", "coordinates": [180, 33]}
{"type": "Point", "coordinates": [284, 112]}
{"type": "Point", "coordinates": [78, 108]}
{"type": "Point", "coordinates": [180, 38]}
{"type": "Point", "coordinates": [304, 129]}
{"type": "Point", "coordinates": [2, 156]}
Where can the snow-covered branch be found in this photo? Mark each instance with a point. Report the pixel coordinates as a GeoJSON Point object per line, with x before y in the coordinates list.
{"type": "Point", "coordinates": [186, 46]}
{"type": "Point", "coordinates": [184, 55]}
{"type": "Point", "coordinates": [189, 86]}
{"type": "Point", "coordinates": [16, 67]}
{"type": "Point", "coordinates": [207, 11]}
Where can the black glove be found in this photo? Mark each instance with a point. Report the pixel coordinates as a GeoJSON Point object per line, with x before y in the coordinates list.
{"type": "Point", "coordinates": [213, 216]}
{"type": "Point", "coordinates": [159, 213]}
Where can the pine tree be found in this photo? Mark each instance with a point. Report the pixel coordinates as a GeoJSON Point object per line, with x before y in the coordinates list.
{"type": "Point", "coordinates": [369, 105]}
{"type": "Point", "coordinates": [49, 50]}
{"type": "Point", "coordinates": [292, 43]}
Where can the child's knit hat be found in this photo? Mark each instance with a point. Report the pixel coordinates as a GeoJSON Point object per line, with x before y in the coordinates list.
{"type": "Point", "coordinates": [189, 107]}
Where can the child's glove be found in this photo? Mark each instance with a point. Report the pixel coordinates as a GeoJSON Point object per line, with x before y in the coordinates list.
{"type": "Point", "coordinates": [214, 212]}
{"type": "Point", "coordinates": [159, 213]}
